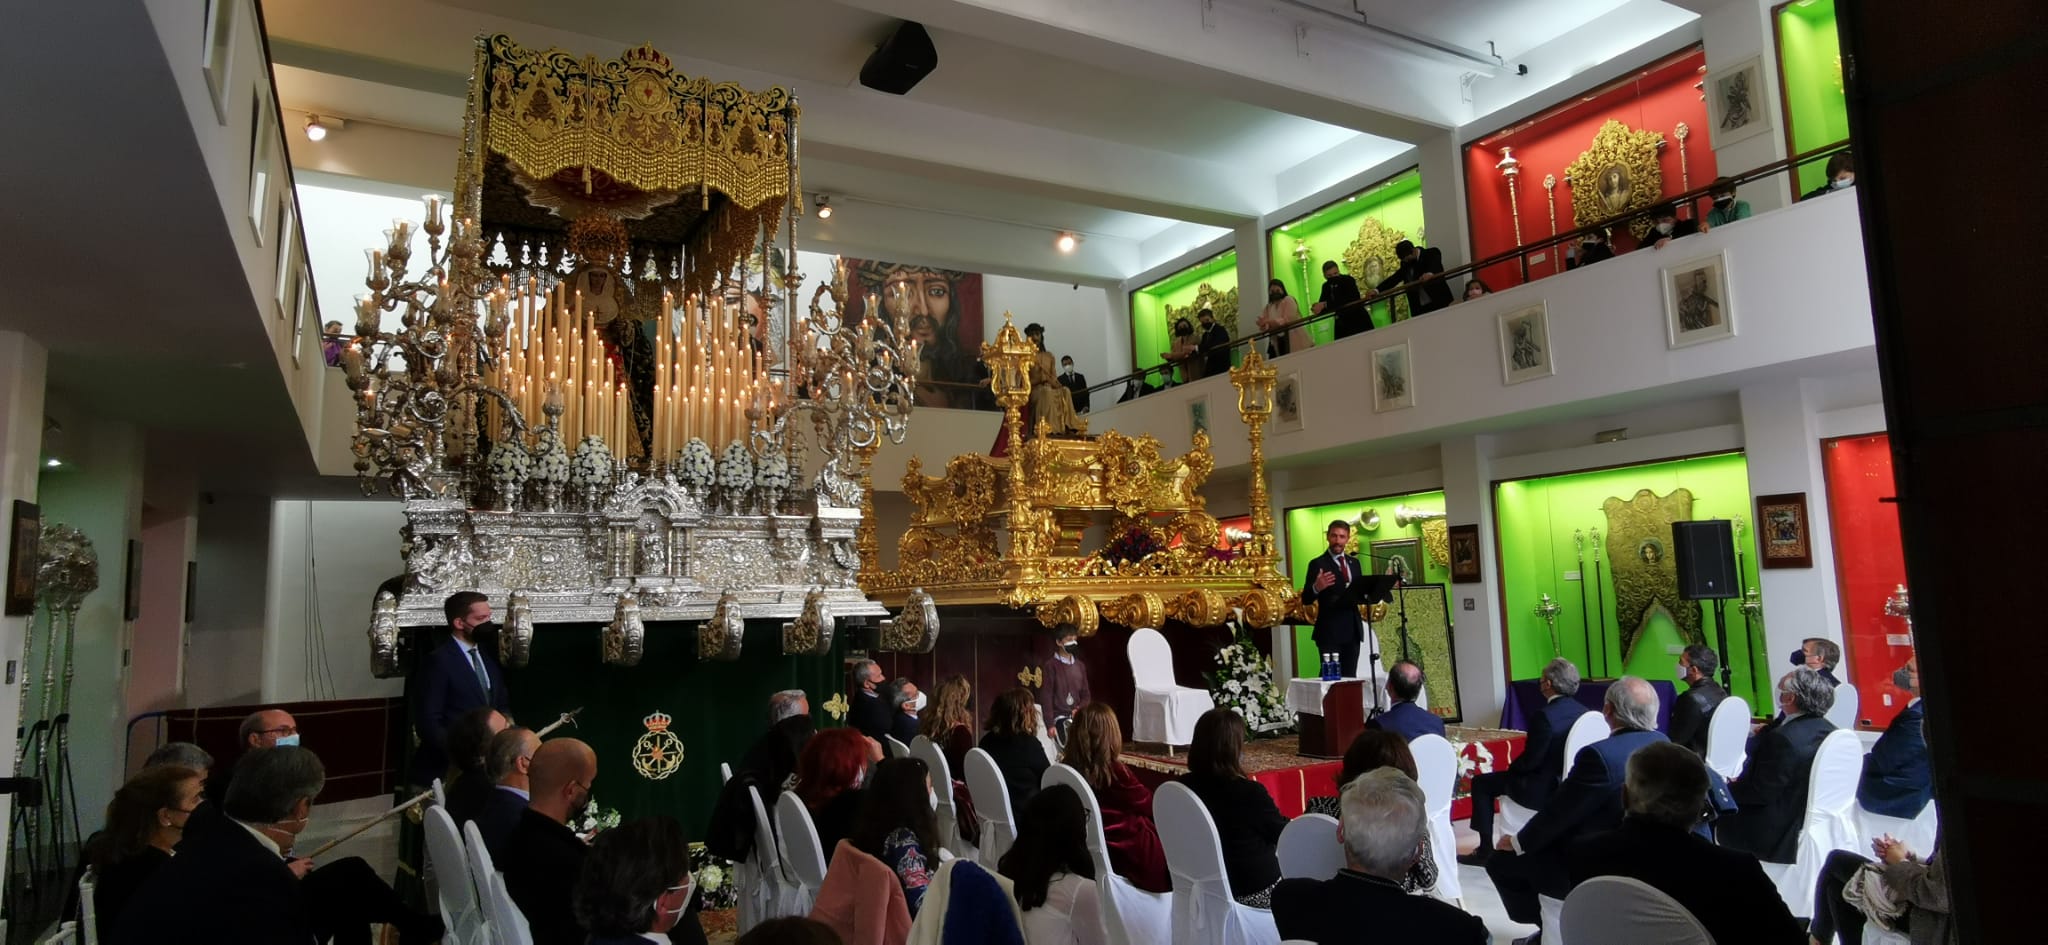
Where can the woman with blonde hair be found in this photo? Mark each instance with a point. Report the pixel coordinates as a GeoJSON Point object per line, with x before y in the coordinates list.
{"type": "Point", "coordinates": [1094, 745]}
{"type": "Point", "coordinates": [949, 722]}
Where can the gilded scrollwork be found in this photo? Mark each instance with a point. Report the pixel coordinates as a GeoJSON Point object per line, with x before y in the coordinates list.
{"type": "Point", "coordinates": [625, 638]}
{"type": "Point", "coordinates": [1436, 540]}
{"type": "Point", "coordinates": [1076, 609]}
{"type": "Point", "coordinates": [1644, 567]}
{"type": "Point", "coordinates": [916, 628]}
{"type": "Point", "coordinates": [720, 637]}
{"type": "Point", "coordinates": [810, 634]}
{"type": "Point", "coordinates": [1371, 259]}
{"type": "Point", "coordinates": [1617, 176]}
{"type": "Point", "coordinates": [1140, 609]}
{"type": "Point", "coordinates": [515, 642]}
{"type": "Point", "coordinates": [1222, 303]}
{"type": "Point", "coordinates": [384, 636]}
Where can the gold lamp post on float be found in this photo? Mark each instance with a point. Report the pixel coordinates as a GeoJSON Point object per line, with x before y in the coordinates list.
{"type": "Point", "coordinates": [1009, 359]}
{"type": "Point", "coordinates": [1254, 380]}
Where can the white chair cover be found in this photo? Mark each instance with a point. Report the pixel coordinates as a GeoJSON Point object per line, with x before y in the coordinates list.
{"type": "Point", "coordinates": [1830, 821]}
{"type": "Point", "coordinates": [1436, 769]}
{"type": "Point", "coordinates": [66, 934]}
{"type": "Point", "coordinates": [505, 924]}
{"type": "Point", "coordinates": [946, 812]}
{"type": "Point", "coordinates": [1589, 728]}
{"type": "Point", "coordinates": [1165, 711]}
{"type": "Point", "coordinates": [928, 928]}
{"type": "Point", "coordinates": [1204, 912]}
{"type": "Point", "coordinates": [1917, 834]}
{"type": "Point", "coordinates": [1045, 739]}
{"type": "Point", "coordinates": [440, 793]}
{"type": "Point", "coordinates": [724, 772]}
{"type": "Point", "coordinates": [1872, 935]}
{"type": "Point", "coordinates": [764, 892]}
{"type": "Point", "coordinates": [1847, 705]}
{"type": "Point", "coordinates": [1728, 737]}
{"type": "Point", "coordinates": [1617, 910]}
{"type": "Point", "coordinates": [991, 808]}
{"type": "Point", "coordinates": [801, 849]}
{"type": "Point", "coordinates": [461, 909]}
{"type": "Point", "coordinates": [1552, 911]}
{"type": "Point", "coordinates": [88, 915]}
{"type": "Point", "coordinates": [896, 749]}
{"type": "Point", "coordinates": [1130, 916]}
{"type": "Point", "coordinates": [1309, 848]}
{"type": "Point", "coordinates": [508, 924]}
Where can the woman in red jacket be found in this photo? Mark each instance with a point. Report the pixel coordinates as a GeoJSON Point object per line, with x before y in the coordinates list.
{"type": "Point", "coordinates": [1093, 745]}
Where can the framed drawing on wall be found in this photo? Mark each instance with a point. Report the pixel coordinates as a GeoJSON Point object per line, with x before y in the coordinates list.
{"type": "Point", "coordinates": [24, 546]}
{"type": "Point", "coordinates": [1696, 302]}
{"type": "Point", "coordinates": [1393, 381]}
{"type": "Point", "coordinates": [214, 56]}
{"type": "Point", "coordinates": [1402, 556]}
{"type": "Point", "coordinates": [1736, 104]}
{"type": "Point", "coordinates": [1525, 345]}
{"type": "Point", "coordinates": [1464, 554]}
{"type": "Point", "coordinates": [1783, 531]}
{"type": "Point", "coordinates": [1287, 404]}
{"type": "Point", "coordinates": [1198, 416]}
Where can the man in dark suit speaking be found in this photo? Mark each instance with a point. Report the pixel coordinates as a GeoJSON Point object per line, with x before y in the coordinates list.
{"type": "Point", "coordinates": [1338, 627]}
{"type": "Point", "coordinates": [458, 676]}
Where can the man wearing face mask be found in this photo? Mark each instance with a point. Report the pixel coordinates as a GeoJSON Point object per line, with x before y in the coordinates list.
{"type": "Point", "coordinates": [1340, 294]}
{"type": "Point", "coordinates": [637, 888]}
{"type": "Point", "coordinates": [458, 676]}
{"type": "Point", "coordinates": [1695, 706]}
{"type": "Point", "coordinates": [1076, 382]}
{"type": "Point", "coordinates": [1422, 271]}
{"type": "Point", "coordinates": [1592, 248]}
{"type": "Point", "coordinates": [1065, 688]}
{"type": "Point", "coordinates": [907, 702]}
{"type": "Point", "coordinates": [1897, 779]}
{"type": "Point", "coordinates": [871, 713]}
{"type": "Point", "coordinates": [1772, 788]}
{"type": "Point", "coordinates": [1820, 655]}
{"type": "Point", "coordinates": [1214, 344]}
{"type": "Point", "coordinates": [1727, 209]}
{"type": "Point", "coordinates": [1841, 175]}
{"type": "Point", "coordinates": [1665, 226]}
{"type": "Point", "coordinates": [543, 858]}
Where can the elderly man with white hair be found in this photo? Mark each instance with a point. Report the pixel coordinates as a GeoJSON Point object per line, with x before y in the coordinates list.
{"type": "Point", "coordinates": [1771, 791]}
{"type": "Point", "coordinates": [1534, 774]}
{"type": "Point", "coordinates": [772, 758]}
{"type": "Point", "coordinates": [1385, 819]}
{"type": "Point", "coordinates": [1531, 864]}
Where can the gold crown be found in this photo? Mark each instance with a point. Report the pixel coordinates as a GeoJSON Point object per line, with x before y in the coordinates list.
{"type": "Point", "coordinates": [658, 722]}
{"type": "Point", "coordinates": [645, 56]}
{"type": "Point", "coordinates": [599, 239]}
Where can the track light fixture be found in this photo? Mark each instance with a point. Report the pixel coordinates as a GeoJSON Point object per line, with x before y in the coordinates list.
{"type": "Point", "coordinates": [316, 129]}
{"type": "Point", "coordinates": [824, 207]}
{"type": "Point", "coordinates": [1066, 241]}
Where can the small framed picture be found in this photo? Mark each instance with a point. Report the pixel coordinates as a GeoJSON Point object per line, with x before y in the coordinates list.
{"type": "Point", "coordinates": [1737, 106]}
{"type": "Point", "coordinates": [1402, 556]}
{"type": "Point", "coordinates": [131, 585]}
{"type": "Point", "coordinates": [1525, 345]}
{"type": "Point", "coordinates": [1696, 302]}
{"type": "Point", "coordinates": [306, 313]}
{"type": "Point", "coordinates": [214, 56]}
{"type": "Point", "coordinates": [24, 555]}
{"type": "Point", "coordinates": [262, 145]}
{"type": "Point", "coordinates": [1464, 554]}
{"type": "Point", "coordinates": [287, 248]}
{"type": "Point", "coordinates": [1198, 416]}
{"type": "Point", "coordinates": [1393, 383]}
{"type": "Point", "coordinates": [1287, 404]}
{"type": "Point", "coordinates": [1783, 532]}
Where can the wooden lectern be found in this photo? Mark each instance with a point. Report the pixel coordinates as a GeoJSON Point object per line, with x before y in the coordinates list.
{"type": "Point", "coordinates": [1329, 734]}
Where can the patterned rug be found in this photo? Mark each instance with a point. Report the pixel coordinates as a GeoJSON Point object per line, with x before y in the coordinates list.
{"type": "Point", "coordinates": [1293, 779]}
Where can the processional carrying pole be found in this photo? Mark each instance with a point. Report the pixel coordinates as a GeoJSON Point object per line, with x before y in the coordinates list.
{"type": "Point", "coordinates": [1585, 607]}
{"type": "Point", "coordinates": [1600, 601]}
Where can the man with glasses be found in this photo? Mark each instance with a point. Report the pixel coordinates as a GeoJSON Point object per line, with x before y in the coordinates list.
{"type": "Point", "coordinates": [543, 857]}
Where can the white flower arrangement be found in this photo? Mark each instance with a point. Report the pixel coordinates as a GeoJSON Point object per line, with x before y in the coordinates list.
{"type": "Point", "coordinates": [736, 468]}
{"type": "Point", "coordinates": [1243, 683]}
{"type": "Point", "coordinates": [772, 473]}
{"type": "Point", "coordinates": [592, 468]}
{"type": "Point", "coordinates": [1473, 758]}
{"type": "Point", "coordinates": [509, 466]}
{"type": "Point", "coordinates": [594, 819]}
{"type": "Point", "coordinates": [550, 460]}
{"type": "Point", "coordinates": [695, 468]}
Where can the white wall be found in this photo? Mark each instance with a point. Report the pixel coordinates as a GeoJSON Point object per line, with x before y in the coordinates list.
{"type": "Point", "coordinates": [22, 364]}
{"type": "Point", "coordinates": [1731, 33]}
{"type": "Point", "coordinates": [326, 560]}
{"type": "Point", "coordinates": [224, 656]}
{"type": "Point", "coordinates": [1076, 320]}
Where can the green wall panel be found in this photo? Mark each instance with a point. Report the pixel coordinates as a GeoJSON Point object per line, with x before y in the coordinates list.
{"type": "Point", "coordinates": [1812, 72]}
{"type": "Point", "coordinates": [1327, 232]}
{"type": "Point", "coordinates": [1149, 336]}
{"type": "Point", "coordinates": [1305, 528]}
{"type": "Point", "coordinates": [1536, 519]}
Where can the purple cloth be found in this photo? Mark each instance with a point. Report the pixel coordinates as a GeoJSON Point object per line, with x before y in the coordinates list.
{"type": "Point", "coordinates": [1525, 700]}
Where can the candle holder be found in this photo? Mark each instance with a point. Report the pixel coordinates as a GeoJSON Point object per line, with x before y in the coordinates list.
{"type": "Point", "coordinates": [1900, 604]}
{"type": "Point", "coordinates": [1548, 609]}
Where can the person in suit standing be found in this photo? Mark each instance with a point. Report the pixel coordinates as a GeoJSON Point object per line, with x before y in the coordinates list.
{"type": "Point", "coordinates": [1771, 791]}
{"type": "Point", "coordinates": [1339, 629]}
{"type": "Point", "coordinates": [1897, 779]}
{"type": "Point", "coordinates": [870, 712]}
{"type": "Point", "coordinates": [1533, 776]}
{"type": "Point", "coordinates": [1405, 718]}
{"type": "Point", "coordinates": [1340, 295]}
{"type": "Point", "coordinates": [637, 886]}
{"type": "Point", "coordinates": [510, 768]}
{"type": "Point", "coordinates": [458, 676]}
{"type": "Point", "coordinates": [1531, 863]}
{"type": "Point", "coordinates": [543, 858]}
{"type": "Point", "coordinates": [1421, 271]}
{"type": "Point", "coordinates": [1214, 343]}
{"type": "Point", "coordinates": [1726, 890]}
{"type": "Point", "coordinates": [1076, 382]}
{"type": "Point", "coordinates": [1384, 823]}
{"type": "Point", "coordinates": [1695, 707]}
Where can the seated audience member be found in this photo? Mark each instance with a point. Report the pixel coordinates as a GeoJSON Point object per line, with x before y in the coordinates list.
{"type": "Point", "coordinates": [1370, 751]}
{"type": "Point", "coordinates": [949, 722]}
{"type": "Point", "coordinates": [1665, 226]}
{"type": "Point", "coordinates": [896, 826]}
{"type": "Point", "coordinates": [1841, 175]}
{"type": "Point", "coordinates": [1093, 746]}
{"type": "Point", "coordinates": [263, 728]}
{"type": "Point", "coordinates": [1727, 209]}
{"type": "Point", "coordinates": [1592, 248]}
{"type": "Point", "coordinates": [145, 820]}
{"type": "Point", "coordinates": [543, 856]}
{"type": "Point", "coordinates": [1404, 717]}
{"type": "Point", "coordinates": [1897, 779]}
{"type": "Point", "coordinates": [1820, 655]}
{"type": "Point", "coordinates": [1916, 891]}
{"type": "Point", "coordinates": [828, 780]}
{"type": "Point", "coordinates": [790, 930]}
{"type": "Point", "coordinates": [510, 767]}
{"type": "Point", "coordinates": [183, 755]}
{"type": "Point", "coordinates": [1726, 890]}
{"type": "Point", "coordinates": [1384, 824]}
{"type": "Point", "coordinates": [905, 702]}
{"type": "Point", "coordinates": [1012, 741]}
{"type": "Point", "coordinates": [772, 757]}
{"type": "Point", "coordinates": [1695, 706]}
{"type": "Point", "coordinates": [636, 885]}
{"type": "Point", "coordinates": [1475, 288]}
{"type": "Point", "coordinates": [871, 712]}
{"type": "Point", "coordinates": [1533, 776]}
{"type": "Point", "coordinates": [1066, 682]}
{"type": "Point", "coordinates": [469, 740]}
{"type": "Point", "coordinates": [1053, 875]}
{"type": "Point", "coordinates": [1422, 271]}
{"type": "Point", "coordinates": [233, 885]}
{"type": "Point", "coordinates": [1771, 790]}
{"type": "Point", "coordinates": [1248, 823]}
{"type": "Point", "coordinates": [1531, 863]}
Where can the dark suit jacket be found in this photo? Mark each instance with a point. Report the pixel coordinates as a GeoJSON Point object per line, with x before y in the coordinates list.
{"type": "Point", "coordinates": [1422, 296]}
{"type": "Point", "coordinates": [834, 821]}
{"type": "Point", "coordinates": [871, 714]}
{"type": "Point", "coordinates": [1771, 791]}
{"type": "Point", "coordinates": [902, 727]}
{"type": "Point", "coordinates": [468, 794]}
{"type": "Point", "coordinates": [1337, 622]}
{"type": "Point", "coordinates": [541, 864]}
{"type": "Point", "coordinates": [1248, 825]}
{"type": "Point", "coordinates": [223, 888]}
{"type": "Point", "coordinates": [1590, 799]}
{"type": "Point", "coordinates": [1726, 890]}
{"type": "Point", "coordinates": [1408, 720]}
{"type": "Point", "coordinates": [772, 757]}
{"type": "Point", "coordinates": [118, 883]}
{"type": "Point", "coordinates": [498, 818]}
{"type": "Point", "coordinates": [1533, 777]}
{"type": "Point", "coordinates": [1356, 909]}
{"type": "Point", "coordinates": [1897, 781]}
{"type": "Point", "coordinates": [1682, 229]}
{"type": "Point", "coordinates": [1021, 759]}
{"type": "Point", "coordinates": [1078, 383]}
{"type": "Point", "coordinates": [1691, 713]}
{"type": "Point", "coordinates": [1588, 255]}
{"type": "Point", "coordinates": [445, 688]}
{"type": "Point", "coordinates": [1214, 343]}
{"type": "Point", "coordinates": [1340, 294]}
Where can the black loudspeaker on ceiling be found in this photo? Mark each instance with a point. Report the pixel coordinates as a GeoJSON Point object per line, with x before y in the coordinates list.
{"type": "Point", "coordinates": [902, 61]}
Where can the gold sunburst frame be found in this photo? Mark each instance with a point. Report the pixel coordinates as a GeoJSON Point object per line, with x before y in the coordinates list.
{"type": "Point", "coordinates": [1370, 258]}
{"type": "Point", "coordinates": [1617, 176]}
{"type": "Point", "coordinates": [1223, 303]}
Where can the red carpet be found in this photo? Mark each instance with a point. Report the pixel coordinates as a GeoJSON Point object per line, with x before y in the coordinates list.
{"type": "Point", "coordinates": [1293, 779]}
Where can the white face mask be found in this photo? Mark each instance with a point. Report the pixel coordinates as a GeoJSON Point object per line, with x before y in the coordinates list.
{"type": "Point", "coordinates": [916, 703]}
{"type": "Point", "coordinates": [1666, 228]}
{"type": "Point", "coordinates": [933, 797]}
{"type": "Point", "coordinates": [1842, 184]}
{"type": "Point", "coordinates": [688, 891]}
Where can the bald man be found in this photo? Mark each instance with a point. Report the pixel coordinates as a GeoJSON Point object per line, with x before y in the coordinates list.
{"type": "Point", "coordinates": [543, 857]}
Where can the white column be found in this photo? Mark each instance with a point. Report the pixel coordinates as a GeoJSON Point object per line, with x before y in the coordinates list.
{"type": "Point", "coordinates": [1732, 33]}
{"type": "Point", "coordinates": [1443, 198]}
{"type": "Point", "coordinates": [1475, 608]}
{"type": "Point", "coordinates": [22, 365]}
{"type": "Point", "coordinates": [1783, 449]}
{"type": "Point", "coordinates": [1252, 273]}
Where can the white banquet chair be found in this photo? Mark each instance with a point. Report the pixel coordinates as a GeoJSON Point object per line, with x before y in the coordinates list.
{"type": "Point", "coordinates": [1165, 711]}
{"type": "Point", "coordinates": [1436, 770]}
{"type": "Point", "coordinates": [947, 813]}
{"type": "Point", "coordinates": [991, 795]}
{"type": "Point", "coordinates": [1847, 705]}
{"type": "Point", "coordinates": [1130, 916]}
{"type": "Point", "coordinates": [803, 855]}
{"type": "Point", "coordinates": [454, 891]}
{"type": "Point", "coordinates": [1310, 849]}
{"type": "Point", "coordinates": [1830, 824]}
{"type": "Point", "coordinates": [1204, 911]}
{"type": "Point", "coordinates": [896, 749]}
{"type": "Point", "coordinates": [724, 772]}
{"type": "Point", "coordinates": [88, 911]}
{"type": "Point", "coordinates": [1917, 834]}
{"type": "Point", "coordinates": [507, 924]}
{"type": "Point", "coordinates": [1728, 737]}
{"type": "Point", "coordinates": [1045, 739]}
{"type": "Point", "coordinates": [1590, 727]}
{"type": "Point", "coordinates": [1618, 910]}
{"type": "Point", "coordinates": [764, 890]}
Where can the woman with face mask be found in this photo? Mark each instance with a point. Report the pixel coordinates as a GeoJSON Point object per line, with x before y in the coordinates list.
{"type": "Point", "coordinates": [145, 821]}
{"type": "Point", "coordinates": [1183, 354]}
{"type": "Point", "coordinates": [1282, 312]}
{"type": "Point", "coordinates": [1841, 175]}
{"type": "Point", "coordinates": [1665, 226]}
{"type": "Point", "coordinates": [1727, 209]}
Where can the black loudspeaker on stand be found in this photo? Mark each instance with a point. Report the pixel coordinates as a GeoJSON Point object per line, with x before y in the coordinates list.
{"type": "Point", "coordinates": [1705, 553]}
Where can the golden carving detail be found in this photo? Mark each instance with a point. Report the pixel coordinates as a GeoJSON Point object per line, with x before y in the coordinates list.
{"type": "Point", "coordinates": [1142, 609]}
{"type": "Point", "coordinates": [1076, 609]}
{"type": "Point", "coordinates": [1645, 570]}
{"type": "Point", "coordinates": [1223, 304]}
{"type": "Point", "coordinates": [916, 628]}
{"type": "Point", "coordinates": [1436, 539]}
{"type": "Point", "coordinates": [1370, 258]}
{"type": "Point", "coordinates": [1031, 676]}
{"type": "Point", "coordinates": [1617, 176]}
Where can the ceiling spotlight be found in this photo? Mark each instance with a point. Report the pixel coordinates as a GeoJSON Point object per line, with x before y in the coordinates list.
{"type": "Point", "coordinates": [1066, 242]}
{"type": "Point", "coordinates": [53, 462]}
{"type": "Point", "coordinates": [316, 130]}
{"type": "Point", "coordinates": [824, 207]}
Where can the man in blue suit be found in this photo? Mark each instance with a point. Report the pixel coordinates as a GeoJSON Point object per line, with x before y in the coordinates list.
{"type": "Point", "coordinates": [1897, 781]}
{"type": "Point", "coordinates": [1339, 629]}
{"type": "Point", "coordinates": [1406, 719]}
{"type": "Point", "coordinates": [1532, 863]}
{"type": "Point", "coordinates": [459, 675]}
{"type": "Point", "coordinates": [1533, 777]}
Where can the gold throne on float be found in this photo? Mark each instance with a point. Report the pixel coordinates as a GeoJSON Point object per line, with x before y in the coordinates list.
{"type": "Point", "coordinates": [1078, 531]}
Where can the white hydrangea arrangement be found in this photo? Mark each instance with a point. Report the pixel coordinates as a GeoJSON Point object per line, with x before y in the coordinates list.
{"type": "Point", "coordinates": [592, 467]}
{"type": "Point", "coordinates": [550, 459]}
{"type": "Point", "coordinates": [594, 819]}
{"type": "Point", "coordinates": [695, 468]}
{"type": "Point", "coordinates": [736, 469]}
{"type": "Point", "coordinates": [1243, 683]}
{"type": "Point", "coordinates": [771, 479]}
{"type": "Point", "coordinates": [509, 467]}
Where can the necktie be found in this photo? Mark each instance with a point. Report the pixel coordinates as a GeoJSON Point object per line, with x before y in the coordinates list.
{"type": "Point", "coordinates": [483, 677]}
{"type": "Point", "coordinates": [1344, 567]}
